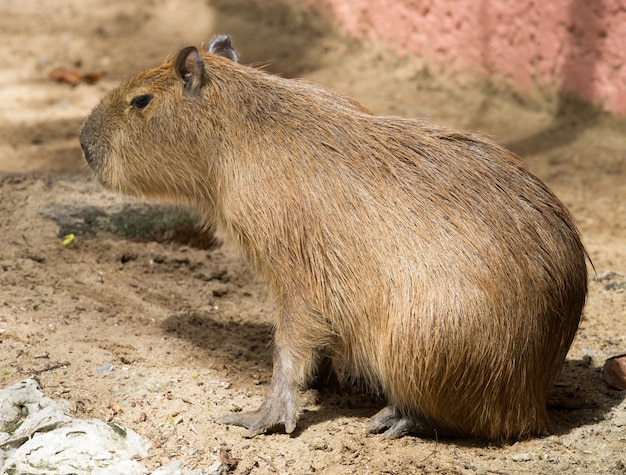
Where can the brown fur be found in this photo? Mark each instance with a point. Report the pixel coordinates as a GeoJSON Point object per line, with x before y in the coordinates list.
{"type": "Point", "coordinates": [430, 264]}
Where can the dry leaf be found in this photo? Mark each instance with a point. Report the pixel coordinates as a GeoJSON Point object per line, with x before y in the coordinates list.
{"type": "Point", "coordinates": [73, 77]}
{"type": "Point", "coordinates": [69, 76]}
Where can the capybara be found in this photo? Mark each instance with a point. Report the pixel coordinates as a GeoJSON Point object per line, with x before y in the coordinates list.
{"type": "Point", "coordinates": [428, 264]}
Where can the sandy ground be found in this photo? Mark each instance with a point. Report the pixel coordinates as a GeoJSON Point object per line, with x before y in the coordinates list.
{"type": "Point", "coordinates": [183, 324]}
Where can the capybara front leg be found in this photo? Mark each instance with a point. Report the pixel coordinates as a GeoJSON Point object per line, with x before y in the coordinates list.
{"type": "Point", "coordinates": [281, 405]}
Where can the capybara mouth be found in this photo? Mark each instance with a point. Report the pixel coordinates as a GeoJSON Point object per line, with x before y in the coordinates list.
{"type": "Point", "coordinates": [86, 154]}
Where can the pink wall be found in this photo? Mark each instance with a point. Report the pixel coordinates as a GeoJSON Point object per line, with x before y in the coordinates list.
{"type": "Point", "coordinates": [567, 45]}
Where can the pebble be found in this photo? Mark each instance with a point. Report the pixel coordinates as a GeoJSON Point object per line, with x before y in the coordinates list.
{"type": "Point", "coordinates": [319, 444]}
{"type": "Point", "coordinates": [105, 369]}
{"type": "Point", "coordinates": [521, 457]}
{"type": "Point", "coordinates": [614, 372]}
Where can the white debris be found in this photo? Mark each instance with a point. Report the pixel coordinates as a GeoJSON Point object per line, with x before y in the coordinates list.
{"type": "Point", "coordinates": [38, 437]}
{"type": "Point", "coordinates": [24, 410]}
{"type": "Point", "coordinates": [521, 457]}
{"type": "Point", "coordinates": [80, 447]}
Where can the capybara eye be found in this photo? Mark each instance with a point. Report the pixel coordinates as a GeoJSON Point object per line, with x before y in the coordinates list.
{"type": "Point", "coordinates": [142, 101]}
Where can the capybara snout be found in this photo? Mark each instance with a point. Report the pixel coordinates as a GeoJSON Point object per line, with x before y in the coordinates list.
{"type": "Point", "coordinates": [430, 264]}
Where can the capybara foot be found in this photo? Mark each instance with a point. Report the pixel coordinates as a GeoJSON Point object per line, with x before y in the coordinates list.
{"type": "Point", "coordinates": [393, 423]}
{"type": "Point", "coordinates": [271, 414]}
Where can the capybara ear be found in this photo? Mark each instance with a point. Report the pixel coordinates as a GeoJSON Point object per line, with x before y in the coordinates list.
{"type": "Point", "coordinates": [190, 68]}
{"type": "Point", "coordinates": [221, 45]}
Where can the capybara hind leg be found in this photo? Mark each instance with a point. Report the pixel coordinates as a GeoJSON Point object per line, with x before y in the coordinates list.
{"type": "Point", "coordinates": [384, 419]}
{"type": "Point", "coordinates": [393, 423]}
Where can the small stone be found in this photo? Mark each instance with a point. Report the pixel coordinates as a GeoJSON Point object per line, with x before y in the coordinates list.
{"type": "Point", "coordinates": [105, 369]}
{"type": "Point", "coordinates": [522, 457]}
{"type": "Point", "coordinates": [614, 372]}
{"type": "Point", "coordinates": [320, 444]}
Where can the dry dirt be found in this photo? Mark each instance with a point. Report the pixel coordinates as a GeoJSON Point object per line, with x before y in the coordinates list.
{"type": "Point", "coordinates": [185, 327]}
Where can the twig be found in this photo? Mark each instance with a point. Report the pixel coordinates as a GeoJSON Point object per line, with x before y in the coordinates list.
{"type": "Point", "coordinates": [434, 450]}
{"type": "Point", "coordinates": [268, 461]}
{"type": "Point", "coordinates": [48, 367]}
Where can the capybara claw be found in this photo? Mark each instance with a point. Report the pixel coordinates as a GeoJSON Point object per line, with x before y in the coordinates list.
{"type": "Point", "coordinates": [236, 419]}
{"type": "Point", "coordinates": [391, 421]}
{"type": "Point", "coordinates": [383, 419]}
{"type": "Point", "coordinates": [402, 427]}
{"type": "Point", "coordinates": [249, 420]}
{"type": "Point", "coordinates": [261, 421]}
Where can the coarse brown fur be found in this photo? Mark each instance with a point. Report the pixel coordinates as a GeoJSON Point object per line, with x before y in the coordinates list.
{"type": "Point", "coordinates": [430, 264]}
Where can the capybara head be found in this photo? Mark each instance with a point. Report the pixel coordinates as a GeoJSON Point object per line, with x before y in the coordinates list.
{"type": "Point", "coordinates": [145, 137]}
{"type": "Point", "coordinates": [429, 264]}
{"type": "Point", "coordinates": [160, 134]}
